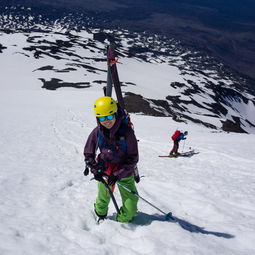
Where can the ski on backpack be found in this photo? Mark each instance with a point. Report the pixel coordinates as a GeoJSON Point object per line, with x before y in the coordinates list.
{"type": "Point", "coordinates": [113, 79]}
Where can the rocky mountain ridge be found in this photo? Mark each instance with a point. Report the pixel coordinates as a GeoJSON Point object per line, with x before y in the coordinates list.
{"type": "Point", "coordinates": [205, 91]}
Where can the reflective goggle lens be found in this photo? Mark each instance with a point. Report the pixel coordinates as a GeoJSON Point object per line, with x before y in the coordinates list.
{"type": "Point", "coordinates": [104, 118]}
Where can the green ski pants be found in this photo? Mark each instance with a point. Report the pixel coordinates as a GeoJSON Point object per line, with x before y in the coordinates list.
{"type": "Point", "coordinates": [129, 201]}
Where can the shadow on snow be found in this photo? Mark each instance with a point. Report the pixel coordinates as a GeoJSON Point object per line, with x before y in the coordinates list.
{"type": "Point", "coordinates": [189, 155]}
{"type": "Point", "coordinates": [143, 219]}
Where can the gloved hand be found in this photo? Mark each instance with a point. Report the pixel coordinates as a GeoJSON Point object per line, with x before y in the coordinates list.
{"type": "Point", "coordinates": [137, 178]}
{"type": "Point", "coordinates": [86, 171]}
{"type": "Point", "coordinates": [99, 176]}
{"type": "Point", "coordinates": [136, 175]}
{"type": "Point", "coordinates": [112, 179]}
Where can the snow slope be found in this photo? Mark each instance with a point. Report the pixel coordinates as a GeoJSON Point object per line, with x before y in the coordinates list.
{"type": "Point", "coordinates": [46, 202]}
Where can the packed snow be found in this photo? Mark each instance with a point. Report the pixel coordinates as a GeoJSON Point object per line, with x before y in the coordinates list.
{"type": "Point", "coordinates": [47, 203]}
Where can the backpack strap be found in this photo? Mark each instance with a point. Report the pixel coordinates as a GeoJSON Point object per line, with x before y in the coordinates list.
{"type": "Point", "coordinates": [121, 139]}
{"type": "Point", "coordinates": [100, 140]}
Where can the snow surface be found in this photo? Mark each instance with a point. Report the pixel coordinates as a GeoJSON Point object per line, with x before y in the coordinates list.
{"type": "Point", "coordinates": [46, 203]}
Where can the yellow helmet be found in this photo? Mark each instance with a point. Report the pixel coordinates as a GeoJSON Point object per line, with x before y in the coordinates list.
{"type": "Point", "coordinates": [105, 106]}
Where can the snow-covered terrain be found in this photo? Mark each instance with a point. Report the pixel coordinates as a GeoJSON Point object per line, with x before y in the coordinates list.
{"type": "Point", "coordinates": [177, 82]}
{"type": "Point", "coordinates": [46, 202]}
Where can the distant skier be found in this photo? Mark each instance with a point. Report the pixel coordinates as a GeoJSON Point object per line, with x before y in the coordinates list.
{"type": "Point", "coordinates": [117, 159]}
{"type": "Point", "coordinates": [177, 137]}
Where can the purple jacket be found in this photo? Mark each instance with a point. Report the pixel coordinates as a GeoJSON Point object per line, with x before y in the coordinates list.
{"type": "Point", "coordinates": [126, 160]}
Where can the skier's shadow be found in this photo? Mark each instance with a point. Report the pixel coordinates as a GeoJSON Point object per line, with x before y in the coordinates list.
{"type": "Point", "coordinates": [189, 155]}
{"type": "Point", "coordinates": [143, 219]}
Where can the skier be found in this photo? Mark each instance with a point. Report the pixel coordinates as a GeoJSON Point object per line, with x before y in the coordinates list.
{"type": "Point", "coordinates": [117, 159]}
{"type": "Point", "coordinates": [177, 137]}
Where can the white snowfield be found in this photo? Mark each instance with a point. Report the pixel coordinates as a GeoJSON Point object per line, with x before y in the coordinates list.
{"type": "Point", "coordinates": [46, 202]}
{"type": "Point", "coordinates": [153, 79]}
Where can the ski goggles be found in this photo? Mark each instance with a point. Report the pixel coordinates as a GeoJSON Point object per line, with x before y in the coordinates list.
{"type": "Point", "coordinates": [104, 118]}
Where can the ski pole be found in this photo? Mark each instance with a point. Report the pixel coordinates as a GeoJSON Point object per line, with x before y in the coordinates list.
{"type": "Point", "coordinates": [183, 146]}
{"type": "Point", "coordinates": [168, 215]}
{"type": "Point", "coordinates": [112, 196]}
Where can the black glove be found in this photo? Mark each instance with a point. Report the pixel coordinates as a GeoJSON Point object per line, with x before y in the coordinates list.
{"type": "Point", "coordinates": [86, 171]}
{"type": "Point", "coordinates": [99, 176]}
{"type": "Point", "coordinates": [137, 178]}
{"type": "Point", "coordinates": [136, 175]}
{"type": "Point", "coordinates": [112, 179]}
